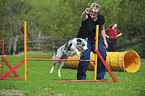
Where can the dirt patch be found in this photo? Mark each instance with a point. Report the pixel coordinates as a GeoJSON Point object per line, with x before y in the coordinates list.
{"type": "Point", "coordinates": [12, 92]}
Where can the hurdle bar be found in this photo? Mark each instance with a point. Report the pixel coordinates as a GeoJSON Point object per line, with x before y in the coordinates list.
{"type": "Point", "coordinates": [2, 57]}
{"type": "Point", "coordinates": [4, 60]}
{"type": "Point", "coordinates": [25, 60]}
{"type": "Point", "coordinates": [97, 54]}
{"type": "Point", "coordinates": [25, 49]}
{"type": "Point", "coordinates": [36, 59]}
{"type": "Point", "coordinates": [85, 80]}
{"type": "Point", "coordinates": [12, 69]}
{"type": "Point", "coordinates": [96, 48]}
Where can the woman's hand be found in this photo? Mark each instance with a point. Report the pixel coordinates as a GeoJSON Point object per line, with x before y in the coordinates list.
{"type": "Point", "coordinates": [107, 36]}
{"type": "Point", "coordinates": [106, 45]}
{"type": "Point", "coordinates": [84, 14]}
{"type": "Point", "coordinates": [87, 10]}
{"type": "Point", "coordinates": [119, 35]}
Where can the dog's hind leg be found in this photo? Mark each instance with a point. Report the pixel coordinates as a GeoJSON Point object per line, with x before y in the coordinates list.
{"type": "Point", "coordinates": [60, 66]}
{"type": "Point", "coordinates": [52, 68]}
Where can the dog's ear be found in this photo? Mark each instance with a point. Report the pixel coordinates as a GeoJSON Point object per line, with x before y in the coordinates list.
{"type": "Point", "coordinates": [79, 41]}
{"type": "Point", "coordinates": [68, 46]}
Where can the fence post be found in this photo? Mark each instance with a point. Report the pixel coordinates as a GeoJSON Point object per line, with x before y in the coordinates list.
{"type": "Point", "coordinates": [53, 45]}
{"type": "Point", "coordinates": [39, 39]}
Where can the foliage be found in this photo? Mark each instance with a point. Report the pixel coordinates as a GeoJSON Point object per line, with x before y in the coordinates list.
{"type": "Point", "coordinates": [41, 83]}
{"type": "Point", "coordinates": [62, 18]}
{"type": "Point", "coordinates": [13, 16]}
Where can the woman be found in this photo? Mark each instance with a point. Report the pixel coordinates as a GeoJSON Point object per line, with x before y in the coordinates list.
{"type": "Point", "coordinates": [112, 36]}
{"type": "Point", "coordinates": [90, 18]}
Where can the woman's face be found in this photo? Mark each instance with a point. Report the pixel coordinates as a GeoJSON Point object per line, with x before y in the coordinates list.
{"type": "Point", "coordinates": [115, 25]}
{"type": "Point", "coordinates": [93, 15]}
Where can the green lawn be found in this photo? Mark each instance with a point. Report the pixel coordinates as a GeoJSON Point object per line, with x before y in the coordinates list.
{"type": "Point", "coordinates": [41, 83]}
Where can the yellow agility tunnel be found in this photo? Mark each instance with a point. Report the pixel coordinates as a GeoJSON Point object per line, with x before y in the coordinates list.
{"type": "Point", "coordinates": [128, 61]}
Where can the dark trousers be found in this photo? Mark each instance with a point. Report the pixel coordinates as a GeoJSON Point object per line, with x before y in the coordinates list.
{"type": "Point", "coordinates": [83, 65]}
{"type": "Point", "coordinates": [112, 45]}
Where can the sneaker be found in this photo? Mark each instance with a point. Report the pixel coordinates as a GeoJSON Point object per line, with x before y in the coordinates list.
{"type": "Point", "coordinates": [104, 79]}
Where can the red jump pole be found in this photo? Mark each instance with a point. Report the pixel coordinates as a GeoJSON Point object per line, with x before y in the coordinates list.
{"type": "Point", "coordinates": [13, 79]}
{"type": "Point", "coordinates": [4, 60]}
{"type": "Point", "coordinates": [110, 72]}
{"type": "Point", "coordinates": [2, 57]}
{"type": "Point", "coordinates": [12, 70]}
{"type": "Point", "coordinates": [85, 80]}
{"type": "Point", "coordinates": [10, 67]}
{"type": "Point", "coordinates": [35, 59]}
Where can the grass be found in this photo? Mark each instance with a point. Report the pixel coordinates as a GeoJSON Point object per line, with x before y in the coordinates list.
{"type": "Point", "coordinates": [41, 83]}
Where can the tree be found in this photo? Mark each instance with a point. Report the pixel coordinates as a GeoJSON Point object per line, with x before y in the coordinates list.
{"type": "Point", "coordinates": [16, 12]}
{"type": "Point", "coordinates": [62, 18]}
{"type": "Point", "coordinates": [129, 14]}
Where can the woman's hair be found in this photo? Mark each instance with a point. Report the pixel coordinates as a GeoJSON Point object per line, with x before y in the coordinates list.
{"type": "Point", "coordinates": [95, 7]}
{"type": "Point", "coordinates": [111, 25]}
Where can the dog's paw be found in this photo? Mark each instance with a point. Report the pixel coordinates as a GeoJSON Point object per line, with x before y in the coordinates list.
{"type": "Point", "coordinates": [51, 71]}
{"type": "Point", "coordinates": [78, 54]}
{"type": "Point", "coordinates": [59, 75]}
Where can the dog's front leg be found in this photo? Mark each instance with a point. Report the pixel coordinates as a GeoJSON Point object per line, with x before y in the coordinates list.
{"type": "Point", "coordinates": [52, 68]}
{"type": "Point", "coordinates": [77, 52]}
{"type": "Point", "coordinates": [60, 66]}
{"type": "Point", "coordinates": [73, 52]}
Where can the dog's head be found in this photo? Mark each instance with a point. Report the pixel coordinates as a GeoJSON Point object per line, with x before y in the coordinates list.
{"type": "Point", "coordinates": [76, 46]}
{"type": "Point", "coordinates": [81, 44]}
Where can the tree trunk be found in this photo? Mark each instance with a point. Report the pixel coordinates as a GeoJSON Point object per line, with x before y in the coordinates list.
{"type": "Point", "coordinates": [10, 43]}
{"type": "Point", "coordinates": [15, 44]}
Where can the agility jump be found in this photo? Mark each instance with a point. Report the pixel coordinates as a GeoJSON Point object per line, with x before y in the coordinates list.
{"type": "Point", "coordinates": [25, 60]}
